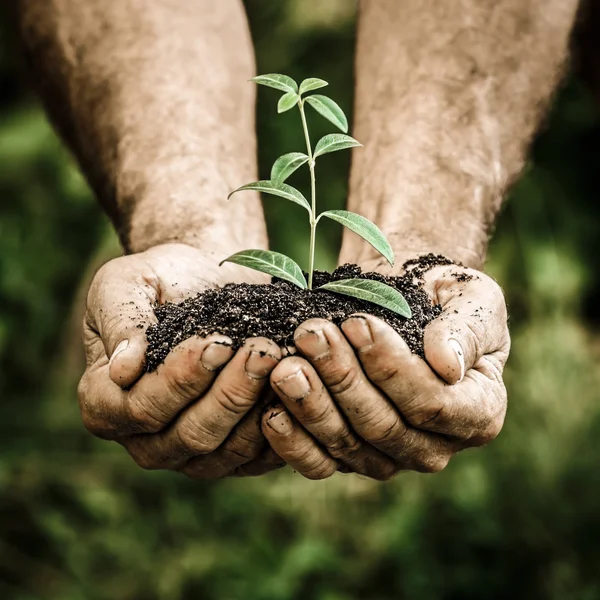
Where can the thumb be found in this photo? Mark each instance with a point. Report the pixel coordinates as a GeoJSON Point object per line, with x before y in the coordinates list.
{"type": "Point", "coordinates": [472, 325]}
{"type": "Point", "coordinates": [120, 309]}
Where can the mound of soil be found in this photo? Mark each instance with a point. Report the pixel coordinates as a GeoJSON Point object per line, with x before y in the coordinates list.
{"type": "Point", "coordinates": [274, 310]}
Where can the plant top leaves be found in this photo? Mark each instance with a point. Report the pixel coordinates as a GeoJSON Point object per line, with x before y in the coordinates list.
{"type": "Point", "coordinates": [330, 110]}
{"type": "Point", "coordinates": [271, 263]}
{"type": "Point", "coordinates": [365, 228]}
{"type": "Point", "coordinates": [312, 83]}
{"type": "Point", "coordinates": [285, 165]}
{"type": "Point", "coordinates": [371, 291]}
{"type": "Point", "coordinates": [334, 142]}
{"type": "Point", "coordinates": [277, 81]}
{"type": "Point", "coordinates": [283, 191]}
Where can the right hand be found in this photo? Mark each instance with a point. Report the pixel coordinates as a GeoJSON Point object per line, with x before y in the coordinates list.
{"type": "Point", "coordinates": [197, 413]}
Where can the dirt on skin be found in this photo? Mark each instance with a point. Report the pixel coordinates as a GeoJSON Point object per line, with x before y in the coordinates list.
{"type": "Point", "coordinates": [275, 310]}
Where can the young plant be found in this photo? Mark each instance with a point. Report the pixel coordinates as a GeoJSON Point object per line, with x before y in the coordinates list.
{"type": "Point", "coordinates": [279, 265]}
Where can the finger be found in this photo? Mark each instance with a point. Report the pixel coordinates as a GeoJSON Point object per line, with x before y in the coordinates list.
{"type": "Point", "coordinates": [119, 309]}
{"type": "Point", "coordinates": [102, 403]}
{"type": "Point", "coordinates": [245, 444]}
{"type": "Point", "coordinates": [371, 415]}
{"type": "Point", "coordinates": [203, 427]}
{"type": "Point", "coordinates": [295, 446]}
{"type": "Point", "coordinates": [467, 410]}
{"type": "Point", "coordinates": [187, 373]}
{"type": "Point", "coordinates": [473, 324]}
{"type": "Point", "coordinates": [301, 390]}
{"type": "Point", "coordinates": [189, 369]}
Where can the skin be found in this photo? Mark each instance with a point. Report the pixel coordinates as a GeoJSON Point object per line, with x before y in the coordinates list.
{"type": "Point", "coordinates": [153, 100]}
{"type": "Point", "coordinates": [446, 106]}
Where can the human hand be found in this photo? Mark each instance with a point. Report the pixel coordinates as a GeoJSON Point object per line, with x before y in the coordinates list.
{"type": "Point", "coordinates": [188, 415]}
{"type": "Point", "coordinates": [359, 400]}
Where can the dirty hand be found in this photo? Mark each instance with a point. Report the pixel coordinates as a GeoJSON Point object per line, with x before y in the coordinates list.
{"type": "Point", "coordinates": [360, 401]}
{"type": "Point", "coordinates": [197, 412]}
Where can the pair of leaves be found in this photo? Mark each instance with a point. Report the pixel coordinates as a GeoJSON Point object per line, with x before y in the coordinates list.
{"type": "Point", "coordinates": [356, 223]}
{"type": "Point", "coordinates": [286, 84]}
{"type": "Point", "coordinates": [285, 165]}
{"type": "Point", "coordinates": [279, 265]}
{"type": "Point", "coordinates": [324, 105]}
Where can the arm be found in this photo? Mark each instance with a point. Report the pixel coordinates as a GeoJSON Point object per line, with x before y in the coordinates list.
{"type": "Point", "coordinates": [447, 104]}
{"type": "Point", "coordinates": [150, 96]}
{"type": "Point", "coordinates": [448, 98]}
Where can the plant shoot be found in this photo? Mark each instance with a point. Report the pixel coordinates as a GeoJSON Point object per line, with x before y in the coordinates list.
{"type": "Point", "coordinates": [283, 267]}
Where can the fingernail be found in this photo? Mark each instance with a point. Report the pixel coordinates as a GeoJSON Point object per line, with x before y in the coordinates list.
{"type": "Point", "coordinates": [313, 343]}
{"type": "Point", "coordinates": [280, 423]}
{"type": "Point", "coordinates": [358, 331]}
{"type": "Point", "coordinates": [216, 355]}
{"type": "Point", "coordinates": [294, 386]}
{"type": "Point", "coordinates": [460, 355]}
{"type": "Point", "coordinates": [120, 347]}
{"type": "Point", "coordinates": [259, 364]}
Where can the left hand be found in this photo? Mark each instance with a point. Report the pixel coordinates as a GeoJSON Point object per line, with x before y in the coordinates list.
{"type": "Point", "coordinates": [361, 401]}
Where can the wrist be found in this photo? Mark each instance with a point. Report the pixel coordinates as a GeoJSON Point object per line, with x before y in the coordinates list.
{"type": "Point", "coordinates": [179, 206]}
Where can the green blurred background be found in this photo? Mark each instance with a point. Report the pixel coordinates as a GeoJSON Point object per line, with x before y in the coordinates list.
{"type": "Point", "coordinates": [521, 518]}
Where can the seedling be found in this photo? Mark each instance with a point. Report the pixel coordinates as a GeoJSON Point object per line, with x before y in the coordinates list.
{"type": "Point", "coordinates": [279, 265]}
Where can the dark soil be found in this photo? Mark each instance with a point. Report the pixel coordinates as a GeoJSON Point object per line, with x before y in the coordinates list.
{"type": "Point", "coordinates": [274, 310]}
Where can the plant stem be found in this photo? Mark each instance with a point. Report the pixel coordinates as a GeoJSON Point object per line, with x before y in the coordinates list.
{"type": "Point", "coordinates": [313, 197]}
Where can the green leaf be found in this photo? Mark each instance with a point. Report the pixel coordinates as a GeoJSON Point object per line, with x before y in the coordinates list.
{"type": "Point", "coordinates": [283, 191]}
{"type": "Point", "coordinates": [285, 165]}
{"type": "Point", "coordinates": [330, 110]}
{"type": "Point", "coordinates": [363, 227]}
{"type": "Point", "coordinates": [287, 101]}
{"type": "Point", "coordinates": [333, 142]}
{"type": "Point", "coordinates": [371, 291]}
{"type": "Point", "coordinates": [313, 83]}
{"type": "Point", "coordinates": [272, 263]}
{"type": "Point", "coordinates": [277, 81]}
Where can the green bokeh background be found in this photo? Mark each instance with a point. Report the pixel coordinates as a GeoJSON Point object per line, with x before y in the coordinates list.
{"type": "Point", "coordinates": [521, 518]}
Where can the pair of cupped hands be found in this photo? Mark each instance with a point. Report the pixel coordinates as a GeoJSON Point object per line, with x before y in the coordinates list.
{"type": "Point", "coordinates": [352, 398]}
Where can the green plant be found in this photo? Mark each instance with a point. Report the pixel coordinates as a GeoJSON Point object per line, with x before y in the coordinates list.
{"type": "Point", "coordinates": [279, 265]}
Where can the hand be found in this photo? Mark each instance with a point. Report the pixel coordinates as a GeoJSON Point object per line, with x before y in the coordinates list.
{"type": "Point", "coordinates": [197, 412]}
{"type": "Point", "coordinates": [361, 401]}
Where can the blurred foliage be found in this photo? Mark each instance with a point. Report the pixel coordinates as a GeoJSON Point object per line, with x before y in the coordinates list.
{"type": "Point", "coordinates": [78, 521]}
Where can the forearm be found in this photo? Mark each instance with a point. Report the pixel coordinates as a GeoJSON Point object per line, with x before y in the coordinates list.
{"type": "Point", "coordinates": [153, 100]}
{"type": "Point", "coordinates": [447, 102]}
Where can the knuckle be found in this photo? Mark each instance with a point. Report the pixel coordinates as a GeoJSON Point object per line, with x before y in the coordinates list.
{"type": "Point", "coordinates": [345, 445]}
{"type": "Point", "coordinates": [142, 459]}
{"type": "Point", "coordinates": [490, 432]}
{"type": "Point", "coordinates": [426, 410]}
{"type": "Point", "coordinates": [235, 399]}
{"type": "Point", "coordinates": [238, 455]}
{"type": "Point", "coordinates": [426, 462]}
{"type": "Point", "coordinates": [340, 383]}
{"type": "Point", "coordinates": [321, 470]}
{"type": "Point", "coordinates": [383, 373]}
{"type": "Point", "coordinates": [96, 425]}
{"type": "Point", "coordinates": [385, 429]}
{"type": "Point", "coordinates": [241, 449]}
{"type": "Point", "coordinates": [196, 440]}
{"type": "Point", "coordinates": [317, 414]}
{"type": "Point", "coordinates": [385, 472]}
{"type": "Point", "coordinates": [141, 417]}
